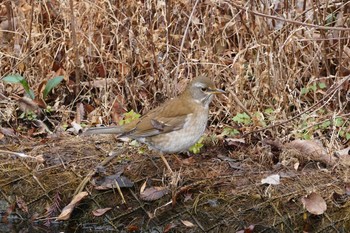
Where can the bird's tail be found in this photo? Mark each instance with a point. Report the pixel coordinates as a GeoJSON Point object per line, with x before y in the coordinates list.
{"type": "Point", "coordinates": [104, 130]}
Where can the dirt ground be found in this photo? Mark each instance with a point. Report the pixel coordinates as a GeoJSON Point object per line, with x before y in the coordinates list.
{"type": "Point", "coordinates": [217, 190]}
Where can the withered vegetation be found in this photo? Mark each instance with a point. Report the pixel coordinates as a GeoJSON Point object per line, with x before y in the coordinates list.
{"type": "Point", "coordinates": [285, 64]}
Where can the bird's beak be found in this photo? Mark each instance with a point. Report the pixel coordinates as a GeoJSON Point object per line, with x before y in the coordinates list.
{"type": "Point", "coordinates": [216, 91]}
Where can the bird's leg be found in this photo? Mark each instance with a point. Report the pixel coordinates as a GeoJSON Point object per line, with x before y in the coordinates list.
{"type": "Point", "coordinates": [166, 162]}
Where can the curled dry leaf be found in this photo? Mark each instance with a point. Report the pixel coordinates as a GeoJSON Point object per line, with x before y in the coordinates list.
{"type": "Point", "coordinates": [143, 187]}
{"type": "Point", "coordinates": [76, 128]}
{"type": "Point", "coordinates": [67, 211]}
{"type": "Point", "coordinates": [109, 182]}
{"type": "Point", "coordinates": [312, 150]}
{"type": "Point", "coordinates": [272, 179]}
{"type": "Point", "coordinates": [187, 223]}
{"type": "Point", "coordinates": [314, 203]}
{"type": "Point", "coordinates": [168, 227]}
{"type": "Point", "coordinates": [100, 212]}
{"type": "Point", "coordinates": [153, 193]}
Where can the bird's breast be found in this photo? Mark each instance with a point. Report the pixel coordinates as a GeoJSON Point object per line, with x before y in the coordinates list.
{"type": "Point", "coordinates": [182, 139]}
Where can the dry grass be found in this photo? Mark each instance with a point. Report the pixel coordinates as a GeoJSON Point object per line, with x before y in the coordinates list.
{"type": "Point", "coordinates": [121, 55]}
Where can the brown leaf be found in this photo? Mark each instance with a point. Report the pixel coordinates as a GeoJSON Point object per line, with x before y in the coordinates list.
{"type": "Point", "coordinates": [187, 223]}
{"type": "Point", "coordinates": [132, 228]}
{"type": "Point", "coordinates": [168, 227]}
{"type": "Point", "coordinates": [100, 212]}
{"type": "Point", "coordinates": [67, 211]}
{"type": "Point", "coordinates": [80, 113]}
{"type": "Point", "coordinates": [117, 111]}
{"type": "Point", "coordinates": [26, 104]}
{"type": "Point", "coordinates": [249, 229]}
{"type": "Point", "coordinates": [109, 182]}
{"type": "Point", "coordinates": [344, 156]}
{"type": "Point", "coordinates": [41, 88]}
{"type": "Point", "coordinates": [7, 131]}
{"type": "Point", "coordinates": [143, 187]}
{"type": "Point", "coordinates": [21, 204]}
{"type": "Point", "coordinates": [314, 203]}
{"type": "Point", "coordinates": [153, 193]}
{"type": "Point", "coordinates": [312, 150]}
{"type": "Point", "coordinates": [42, 128]}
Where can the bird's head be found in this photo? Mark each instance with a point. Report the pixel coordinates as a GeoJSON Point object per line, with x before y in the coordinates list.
{"type": "Point", "coordinates": [202, 90]}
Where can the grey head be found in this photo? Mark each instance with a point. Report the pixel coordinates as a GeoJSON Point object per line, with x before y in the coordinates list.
{"type": "Point", "coordinates": [202, 90]}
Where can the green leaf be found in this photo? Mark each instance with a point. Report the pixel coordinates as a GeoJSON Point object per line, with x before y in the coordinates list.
{"type": "Point", "coordinates": [230, 132]}
{"type": "Point", "coordinates": [242, 118]}
{"type": "Point", "coordinates": [30, 92]}
{"type": "Point", "coordinates": [347, 136]}
{"type": "Point", "coordinates": [51, 84]}
{"type": "Point", "coordinates": [304, 91]}
{"type": "Point", "coordinates": [325, 124]}
{"type": "Point", "coordinates": [196, 148]}
{"type": "Point", "coordinates": [322, 85]}
{"type": "Point", "coordinates": [313, 87]}
{"type": "Point", "coordinates": [129, 117]}
{"type": "Point", "coordinates": [268, 111]}
{"type": "Point", "coordinates": [16, 78]}
{"type": "Point", "coordinates": [339, 121]}
{"type": "Point", "coordinates": [306, 136]}
{"type": "Point", "coordinates": [13, 78]}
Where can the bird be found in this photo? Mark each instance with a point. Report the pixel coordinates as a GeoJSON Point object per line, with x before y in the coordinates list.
{"type": "Point", "coordinates": [173, 126]}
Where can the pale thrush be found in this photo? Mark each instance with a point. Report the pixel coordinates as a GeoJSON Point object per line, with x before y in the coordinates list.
{"type": "Point", "coordinates": [175, 125]}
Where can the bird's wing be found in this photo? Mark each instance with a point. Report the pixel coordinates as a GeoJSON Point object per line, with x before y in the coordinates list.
{"type": "Point", "coordinates": [161, 120]}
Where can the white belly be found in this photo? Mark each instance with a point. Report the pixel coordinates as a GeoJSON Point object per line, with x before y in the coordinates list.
{"type": "Point", "coordinates": [180, 140]}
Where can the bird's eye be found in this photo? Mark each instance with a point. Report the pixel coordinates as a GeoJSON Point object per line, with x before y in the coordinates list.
{"type": "Point", "coordinates": [204, 89]}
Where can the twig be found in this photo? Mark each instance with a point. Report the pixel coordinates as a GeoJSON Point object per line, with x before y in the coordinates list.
{"type": "Point", "coordinates": [310, 109]}
{"type": "Point", "coordinates": [184, 38]}
{"type": "Point", "coordinates": [289, 20]}
{"type": "Point", "coordinates": [75, 49]}
{"type": "Point", "coordinates": [87, 178]}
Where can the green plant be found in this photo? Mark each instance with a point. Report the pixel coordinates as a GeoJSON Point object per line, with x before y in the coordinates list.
{"type": "Point", "coordinates": [313, 88]}
{"type": "Point", "coordinates": [230, 132]}
{"type": "Point", "coordinates": [242, 118]}
{"type": "Point", "coordinates": [29, 115]}
{"type": "Point", "coordinates": [16, 78]}
{"type": "Point", "coordinates": [129, 117]}
{"type": "Point", "coordinates": [196, 148]}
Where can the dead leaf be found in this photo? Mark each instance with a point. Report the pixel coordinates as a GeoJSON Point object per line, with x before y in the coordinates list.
{"type": "Point", "coordinates": [8, 132]}
{"type": "Point", "coordinates": [26, 104]}
{"type": "Point", "coordinates": [249, 229]}
{"type": "Point", "coordinates": [143, 187]}
{"type": "Point", "coordinates": [314, 203]}
{"type": "Point", "coordinates": [234, 143]}
{"type": "Point", "coordinates": [168, 227]}
{"type": "Point", "coordinates": [100, 212]}
{"type": "Point", "coordinates": [21, 204]}
{"type": "Point", "coordinates": [153, 193]}
{"type": "Point", "coordinates": [312, 150]}
{"type": "Point", "coordinates": [272, 179]}
{"type": "Point", "coordinates": [132, 228]}
{"type": "Point", "coordinates": [108, 182]}
{"type": "Point", "coordinates": [76, 128]}
{"type": "Point", "coordinates": [67, 211]}
{"type": "Point", "coordinates": [42, 128]}
{"type": "Point", "coordinates": [187, 223]}
{"type": "Point", "coordinates": [80, 113]}
{"type": "Point", "coordinates": [344, 156]}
